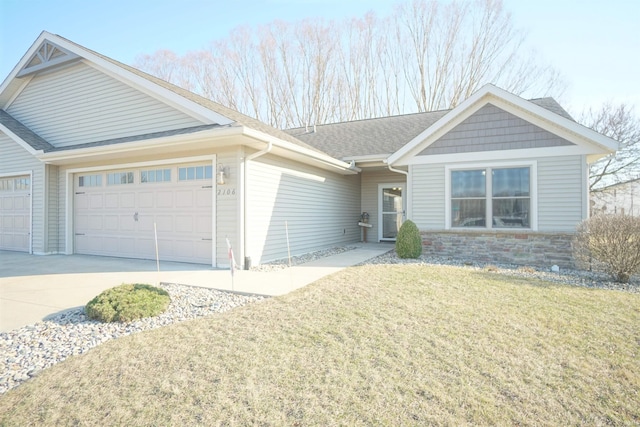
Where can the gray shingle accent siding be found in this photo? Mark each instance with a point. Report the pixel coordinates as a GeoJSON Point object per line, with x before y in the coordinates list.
{"type": "Point", "coordinates": [493, 129]}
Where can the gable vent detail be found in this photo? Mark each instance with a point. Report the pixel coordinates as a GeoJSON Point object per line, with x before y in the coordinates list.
{"type": "Point", "coordinates": [48, 55]}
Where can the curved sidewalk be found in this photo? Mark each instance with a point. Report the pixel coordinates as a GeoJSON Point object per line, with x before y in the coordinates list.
{"type": "Point", "coordinates": [34, 287]}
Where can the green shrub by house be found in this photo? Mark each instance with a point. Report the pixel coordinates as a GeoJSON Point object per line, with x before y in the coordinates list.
{"type": "Point", "coordinates": [128, 302]}
{"type": "Point", "coordinates": [408, 241]}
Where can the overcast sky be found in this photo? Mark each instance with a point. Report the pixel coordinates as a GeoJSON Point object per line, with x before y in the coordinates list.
{"type": "Point", "coordinates": [595, 44]}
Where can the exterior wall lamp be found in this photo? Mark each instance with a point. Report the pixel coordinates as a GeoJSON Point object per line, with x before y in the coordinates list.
{"type": "Point", "coordinates": [222, 175]}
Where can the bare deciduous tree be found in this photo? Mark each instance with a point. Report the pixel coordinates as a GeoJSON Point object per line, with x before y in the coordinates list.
{"type": "Point", "coordinates": [427, 55]}
{"type": "Point", "coordinates": [620, 123]}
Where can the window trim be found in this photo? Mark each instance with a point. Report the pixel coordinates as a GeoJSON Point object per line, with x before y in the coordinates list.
{"type": "Point", "coordinates": [533, 177]}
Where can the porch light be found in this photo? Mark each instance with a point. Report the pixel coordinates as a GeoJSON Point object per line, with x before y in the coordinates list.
{"type": "Point", "coordinates": [222, 175]}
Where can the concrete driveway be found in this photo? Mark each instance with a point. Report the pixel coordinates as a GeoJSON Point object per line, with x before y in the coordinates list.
{"type": "Point", "coordinates": [34, 287]}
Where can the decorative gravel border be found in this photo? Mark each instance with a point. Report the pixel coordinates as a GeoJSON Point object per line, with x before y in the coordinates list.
{"type": "Point", "coordinates": [25, 351]}
{"type": "Point", "coordinates": [301, 259]}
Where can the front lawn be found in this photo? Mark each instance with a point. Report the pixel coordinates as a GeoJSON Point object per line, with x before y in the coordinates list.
{"type": "Point", "coordinates": [372, 345]}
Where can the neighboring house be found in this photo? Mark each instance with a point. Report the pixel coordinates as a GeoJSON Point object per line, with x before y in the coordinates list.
{"type": "Point", "coordinates": [96, 157]}
{"type": "Point", "coordinates": [622, 198]}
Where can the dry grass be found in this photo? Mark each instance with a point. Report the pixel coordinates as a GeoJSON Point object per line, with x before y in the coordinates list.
{"type": "Point", "coordinates": [373, 345]}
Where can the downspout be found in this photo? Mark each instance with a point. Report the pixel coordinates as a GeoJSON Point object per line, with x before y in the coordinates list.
{"type": "Point", "coordinates": [392, 169]}
{"type": "Point", "coordinates": [405, 173]}
{"type": "Point", "coordinates": [243, 215]}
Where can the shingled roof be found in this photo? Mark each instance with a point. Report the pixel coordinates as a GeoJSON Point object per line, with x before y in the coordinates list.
{"type": "Point", "coordinates": [382, 136]}
{"type": "Point", "coordinates": [23, 132]}
{"type": "Point", "coordinates": [237, 117]}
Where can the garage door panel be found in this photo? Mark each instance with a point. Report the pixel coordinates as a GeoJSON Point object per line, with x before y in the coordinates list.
{"type": "Point", "coordinates": [184, 223]}
{"type": "Point", "coordinates": [96, 201]}
{"type": "Point", "coordinates": [203, 197]}
{"type": "Point", "coordinates": [184, 198]}
{"type": "Point", "coordinates": [111, 223]}
{"type": "Point", "coordinates": [124, 223]}
{"type": "Point", "coordinates": [15, 213]}
{"type": "Point", "coordinates": [95, 223]}
{"type": "Point", "coordinates": [81, 201]}
{"type": "Point", "coordinates": [128, 200]}
{"type": "Point", "coordinates": [111, 201]}
{"type": "Point", "coordinates": [145, 199]}
{"type": "Point", "coordinates": [164, 224]}
{"type": "Point", "coordinates": [164, 199]}
{"type": "Point", "coordinates": [19, 203]}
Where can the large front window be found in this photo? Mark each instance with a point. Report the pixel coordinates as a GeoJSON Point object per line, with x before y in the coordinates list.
{"type": "Point", "coordinates": [491, 197]}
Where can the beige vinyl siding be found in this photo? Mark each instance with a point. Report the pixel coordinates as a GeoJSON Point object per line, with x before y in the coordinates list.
{"type": "Point", "coordinates": [80, 104]}
{"type": "Point", "coordinates": [561, 185]}
{"type": "Point", "coordinates": [227, 208]}
{"type": "Point", "coordinates": [320, 208]}
{"type": "Point", "coordinates": [428, 192]}
{"type": "Point", "coordinates": [14, 158]}
{"type": "Point", "coordinates": [369, 197]}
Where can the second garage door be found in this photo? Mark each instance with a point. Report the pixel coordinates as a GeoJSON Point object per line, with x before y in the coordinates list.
{"type": "Point", "coordinates": [15, 213]}
{"type": "Point", "coordinates": [116, 210]}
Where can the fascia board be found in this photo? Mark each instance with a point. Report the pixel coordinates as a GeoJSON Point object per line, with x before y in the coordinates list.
{"type": "Point", "coordinates": [317, 156]}
{"type": "Point", "coordinates": [190, 107]}
{"type": "Point", "coordinates": [23, 61]}
{"type": "Point", "coordinates": [513, 104]}
{"type": "Point", "coordinates": [445, 121]}
{"type": "Point", "coordinates": [19, 141]}
{"type": "Point", "coordinates": [368, 158]}
{"type": "Point", "coordinates": [156, 144]}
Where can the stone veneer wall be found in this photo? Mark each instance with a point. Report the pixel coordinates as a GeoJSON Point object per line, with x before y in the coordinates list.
{"type": "Point", "coordinates": [526, 248]}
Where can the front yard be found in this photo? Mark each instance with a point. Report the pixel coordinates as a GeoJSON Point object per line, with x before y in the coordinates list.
{"type": "Point", "coordinates": [372, 345]}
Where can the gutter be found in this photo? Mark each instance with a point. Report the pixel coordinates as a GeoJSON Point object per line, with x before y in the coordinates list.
{"type": "Point", "coordinates": [125, 147]}
{"type": "Point", "coordinates": [392, 169]}
{"type": "Point", "coordinates": [315, 155]}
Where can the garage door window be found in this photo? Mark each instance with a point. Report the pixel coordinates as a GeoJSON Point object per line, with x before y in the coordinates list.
{"type": "Point", "coordinates": [155, 175]}
{"type": "Point", "coordinates": [22, 183]}
{"type": "Point", "coordinates": [192, 173]}
{"type": "Point", "coordinates": [90, 181]}
{"type": "Point", "coordinates": [5, 185]}
{"type": "Point", "coordinates": [118, 178]}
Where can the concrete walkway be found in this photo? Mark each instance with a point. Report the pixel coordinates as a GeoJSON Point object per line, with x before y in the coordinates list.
{"type": "Point", "coordinates": [34, 287]}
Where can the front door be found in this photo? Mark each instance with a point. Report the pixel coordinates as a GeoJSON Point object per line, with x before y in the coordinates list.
{"type": "Point", "coordinates": [391, 210]}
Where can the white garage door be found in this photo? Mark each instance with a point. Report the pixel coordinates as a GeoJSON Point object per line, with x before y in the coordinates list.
{"type": "Point", "coordinates": [115, 213]}
{"type": "Point", "coordinates": [15, 213]}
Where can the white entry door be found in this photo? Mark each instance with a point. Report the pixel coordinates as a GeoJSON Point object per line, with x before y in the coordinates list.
{"type": "Point", "coordinates": [120, 212]}
{"type": "Point", "coordinates": [391, 210]}
{"type": "Point", "coordinates": [15, 213]}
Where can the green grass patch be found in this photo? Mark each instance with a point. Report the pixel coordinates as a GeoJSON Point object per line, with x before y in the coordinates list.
{"type": "Point", "coordinates": [128, 302]}
{"type": "Point", "coordinates": [371, 345]}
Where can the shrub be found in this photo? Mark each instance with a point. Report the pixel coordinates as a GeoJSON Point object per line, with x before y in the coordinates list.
{"type": "Point", "coordinates": [128, 302]}
{"type": "Point", "coordinates": [610, 243]}
{"type": "Point", "coordinates": [408, 241]}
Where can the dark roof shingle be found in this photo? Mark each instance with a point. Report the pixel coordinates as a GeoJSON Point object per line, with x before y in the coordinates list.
{"type": "Point", "coordinates": [382, 136]}
{"type": "Point", "coordinates": [24, 133]}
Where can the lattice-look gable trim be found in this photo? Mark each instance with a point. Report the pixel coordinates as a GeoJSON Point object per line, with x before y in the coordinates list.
{"type": "Point", "coordinates": [48, 55]}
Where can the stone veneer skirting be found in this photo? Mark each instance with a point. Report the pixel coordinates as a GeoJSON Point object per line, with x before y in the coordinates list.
{"type": "Point", "coordinates": [524, 248]}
